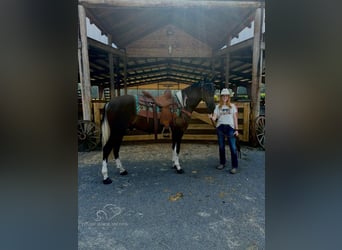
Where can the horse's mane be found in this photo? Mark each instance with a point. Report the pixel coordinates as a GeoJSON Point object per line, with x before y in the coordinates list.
{"type": "Point", "coordinates": [204, 84]}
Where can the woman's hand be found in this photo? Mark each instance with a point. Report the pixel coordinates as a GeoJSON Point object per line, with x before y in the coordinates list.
{"type": "Point", "coordinates": [236, 133]}
{"type": "Point", "coordinates": [212, 117]}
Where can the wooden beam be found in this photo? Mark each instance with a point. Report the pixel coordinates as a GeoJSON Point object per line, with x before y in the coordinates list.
{"type": "Point", "coordinates": [94, 19]}
{"type": "Point", "coordinates": [246, 22]}
{"type": "Point", "coordinates": [171, 3]}
{"type": "Point", "coordinates": [105, 47]}
{"type": "Point", "coordinates": [160, 79]}
{"type": "Point", "coordinates": [86, 94]}
{"type": "Point", "coordinates": [235, 47]}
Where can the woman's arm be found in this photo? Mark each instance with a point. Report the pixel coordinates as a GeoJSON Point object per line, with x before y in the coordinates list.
{"type": "Point", "coordinates": [236, 125]}
{"type": "Point", "coordinates": [213, 116]}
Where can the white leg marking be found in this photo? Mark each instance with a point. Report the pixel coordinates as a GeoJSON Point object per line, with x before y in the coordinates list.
{"type": "Point", "coordinates": [119, 165]}
{"type": "Point", "coordinates": [175, 158]}
{"type": "Point", "coordinates": [174, 154]}
{"type": "Point", "coordinates": [104, 169]}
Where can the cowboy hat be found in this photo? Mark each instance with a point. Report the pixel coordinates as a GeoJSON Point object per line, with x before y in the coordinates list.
{"type": "Point", "coordinates": [226, 91]}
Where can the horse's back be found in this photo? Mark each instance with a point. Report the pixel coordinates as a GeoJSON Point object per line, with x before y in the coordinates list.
{"type": "Point", "coordinates": [120, 111]}
{"type": "Point", "coordinates": [122, 101]}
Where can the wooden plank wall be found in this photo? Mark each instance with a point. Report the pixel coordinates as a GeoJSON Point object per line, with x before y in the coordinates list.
{"type": "Point", "coordinates": [200, 127]}
{"type": "Point", "coordinates": [97, 111]}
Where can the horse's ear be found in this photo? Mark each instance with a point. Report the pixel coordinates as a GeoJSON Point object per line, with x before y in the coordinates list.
{"type": "Point", "coordinates": [211, 77]}
{"type": "Point", "coordinates": [206, 79]}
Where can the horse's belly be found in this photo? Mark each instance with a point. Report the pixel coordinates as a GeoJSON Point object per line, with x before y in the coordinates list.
{"type": "Point", "coordinates": [145, 124]}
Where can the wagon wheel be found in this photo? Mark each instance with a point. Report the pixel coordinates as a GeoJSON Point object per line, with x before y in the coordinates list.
{"type": "Point", "coordinates": [260, 130]}
{"type": "Point", "coordinates": [88, 135]}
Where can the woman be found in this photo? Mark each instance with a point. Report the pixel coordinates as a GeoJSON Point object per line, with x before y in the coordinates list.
{"type": "Point", "coordinates": [227, 126]}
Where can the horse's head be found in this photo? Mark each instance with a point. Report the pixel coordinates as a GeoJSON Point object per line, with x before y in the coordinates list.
{"type": "Point", "coordinates": [208, 92]}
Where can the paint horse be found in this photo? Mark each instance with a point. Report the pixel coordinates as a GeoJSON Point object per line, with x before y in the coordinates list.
{"type": "Point", "coordinates": [121, 114]}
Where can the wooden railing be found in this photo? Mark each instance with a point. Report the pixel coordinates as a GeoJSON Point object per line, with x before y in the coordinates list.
{"type": "Point", "coordinates": [200, 127]}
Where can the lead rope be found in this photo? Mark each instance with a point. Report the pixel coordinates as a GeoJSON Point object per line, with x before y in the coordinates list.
{"type": "Point", "coordinates": [212, 122]}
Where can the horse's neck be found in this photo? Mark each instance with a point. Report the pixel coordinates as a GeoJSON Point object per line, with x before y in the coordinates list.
{"type": "Point", "coordinates": [190, 103]}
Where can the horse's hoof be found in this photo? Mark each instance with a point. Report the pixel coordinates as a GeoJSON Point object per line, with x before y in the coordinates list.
{"type": "Point", "coordinates": [107, 181]}
{"type": "Point", "coordinates": [124, 173]}
{"type": "Point", "coordinates": [180, 171]}
{"type": "Point", "coordinates": [174, 166]}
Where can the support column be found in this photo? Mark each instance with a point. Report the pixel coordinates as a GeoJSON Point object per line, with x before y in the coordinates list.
{"type": "Point", "coordinates": [84, 58]}
{"type": "Point", "coordinates": [222, 71]}
{"type": "Point", "coordinates": [227, 64]}
{"type": "Point", "coordinates": [125, 73]}
{"type": "Point", "coordinates": [111, 69]}
{"type": "Point", "coordinates": [255, 88]}
{"type": "Point", "coordinates": [212, 62]}
{"type": "Point", "coordinates": [117, 80]}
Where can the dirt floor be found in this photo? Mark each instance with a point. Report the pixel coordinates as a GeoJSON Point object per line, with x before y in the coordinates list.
{"type": "Point", "coordinates": [153, 207]}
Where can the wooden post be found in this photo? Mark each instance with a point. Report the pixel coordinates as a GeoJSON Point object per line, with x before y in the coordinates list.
{"type": "Point", "coordinates": [85, 83]}
{"type": "Point", "coordinates": [101, 92]}
{"type": "Point", "coordinates": [212, 62]}
{"type": "Point", "coordinates": [125, 73]}
{"type": "Point", "coordinates": [255, 88]}
{"type": "Point", "coordinates": [222, 70]}
{"type": "Point", "coordinates": [117, 80]}
{"type": "Point", "coordinates": [111, 69]}
{"type": "Point", "coordinates": [80, 68]}
{"type": "Point", "coordinates": [98, 105]}
{"type": "Point", "coordinates": [227, 65]}
{"type": "Point", "coordinates": [226, 84]}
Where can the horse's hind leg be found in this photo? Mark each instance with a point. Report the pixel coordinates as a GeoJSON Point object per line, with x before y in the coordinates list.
{"type": "Point", "coordinates": [117, 143]}
{"type": "Point", "coordinates": [106, 151]}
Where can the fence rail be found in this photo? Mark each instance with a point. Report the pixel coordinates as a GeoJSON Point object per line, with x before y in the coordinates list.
{"type": "Point", "coordinates": [200, 127]}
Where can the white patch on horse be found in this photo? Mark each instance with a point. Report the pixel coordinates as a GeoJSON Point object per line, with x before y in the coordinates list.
{"type": "Point", "coordinates": [185, 99]}
{"type": "Point", "coordinates": [175, 158]}
{"type": "Point", "coordinates": [119, 165]}
{"type": "Point", "coordinates": [104, 169]}
{"type": "Point", "coordinates": [180, 97]}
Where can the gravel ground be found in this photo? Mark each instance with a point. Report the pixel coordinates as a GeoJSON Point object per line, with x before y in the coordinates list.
{"type": "Point", "coordinates": [155, 208]}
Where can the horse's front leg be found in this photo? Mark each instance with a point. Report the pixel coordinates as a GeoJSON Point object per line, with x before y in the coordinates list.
{"type": "Point", "coordinates": [176, 139]}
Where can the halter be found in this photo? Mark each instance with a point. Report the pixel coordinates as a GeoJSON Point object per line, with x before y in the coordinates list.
{"type": "Point", "coordinates": [182, 101]}
{"type": "Point", "coordinates": [202, 86]}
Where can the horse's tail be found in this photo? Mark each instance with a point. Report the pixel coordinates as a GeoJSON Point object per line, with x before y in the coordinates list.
{"type": "Point", "coordinates": [105, 127]}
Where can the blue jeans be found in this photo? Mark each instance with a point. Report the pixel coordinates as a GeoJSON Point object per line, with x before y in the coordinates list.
{"type": "Point", "coordinates": [222, 132]}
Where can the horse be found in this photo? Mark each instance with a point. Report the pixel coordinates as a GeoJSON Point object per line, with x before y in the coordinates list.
{"type": "Point", "coordinates": [122, 113]}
